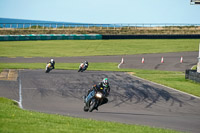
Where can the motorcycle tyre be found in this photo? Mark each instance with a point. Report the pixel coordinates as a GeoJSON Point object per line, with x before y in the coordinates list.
{"type": "Point", "coordinates": [82, 70]}
{"type": "Point", "coordinates": [92, 106]}
{"type": "Point", "coordinates": [79, 70]}
{"type": "Point", "coordinates": [47, 71]}
{"type": "Point", "coordinates": [85, 108]}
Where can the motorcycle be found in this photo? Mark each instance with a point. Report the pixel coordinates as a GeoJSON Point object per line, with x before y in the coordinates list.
{"type": "Point", "coordinates": [94, 99]}
{"type": "Point", "coordinates": [83, 67]}
{"type": "Point", "coordinates": [48, 68]}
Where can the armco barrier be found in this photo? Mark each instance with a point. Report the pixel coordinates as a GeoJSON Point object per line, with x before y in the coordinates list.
{"type": "Point", "coordinates": [50, 37]}
{"type": "Point", "coordinates": [192, 36]}
{"type": "Point", "coordinates": [192, 75]}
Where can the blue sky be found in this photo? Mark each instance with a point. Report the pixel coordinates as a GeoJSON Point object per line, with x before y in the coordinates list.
{"type": "Point", "coordinates": [102, 11]}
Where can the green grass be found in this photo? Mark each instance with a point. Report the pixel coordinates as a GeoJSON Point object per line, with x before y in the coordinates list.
{"type": "Point", "coordinates": [15, 120]}
{"type": "Point", "coordinates": [172, 79]}
{"type": "Point", "coordinates": [194, 67]}
{"type": "Point", "coordinates": [61, 48]}
{"type": "Point", "coordinates": [175, 80]}
{"type": "Point", "coordinates": [71, 66]}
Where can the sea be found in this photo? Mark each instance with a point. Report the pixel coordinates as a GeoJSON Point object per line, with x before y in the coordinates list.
{"type": "Point", "coordinates": [24, 23]}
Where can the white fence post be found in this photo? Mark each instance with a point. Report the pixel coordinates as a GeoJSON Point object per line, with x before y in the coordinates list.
{"type": "Point", "coordinates": [198, 65]}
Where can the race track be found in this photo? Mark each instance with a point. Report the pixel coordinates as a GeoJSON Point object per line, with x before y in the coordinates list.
{"type": "Point", "coordinates": [132, 100]}
{"type": "Point", "coordinates": [151, 61]}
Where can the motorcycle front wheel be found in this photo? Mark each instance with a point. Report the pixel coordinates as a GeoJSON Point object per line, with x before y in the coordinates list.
{"type": "Point", "coordinates": [92, 105]}
{"type": "Point", "coordinates": [79, 70]}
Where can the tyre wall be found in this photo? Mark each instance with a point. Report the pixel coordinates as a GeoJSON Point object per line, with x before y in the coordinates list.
{"type": "Point", "coordinates": [90, 37]}
{"type": "Point", "coordinates": [50, 37]}
{"type": "Point", "coordinates": [196, 36]}
{"type": "Point", "coordinates": [192, 75]}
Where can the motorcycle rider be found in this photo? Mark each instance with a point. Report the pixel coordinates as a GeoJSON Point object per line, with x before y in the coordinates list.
{"type": "Point", "coordinates": [105, 85]}
{"type": "Point", "coordinates": [84, 65]}
{"type": "Point", "coordinates": [52, 62]}
{"type": "Point", "coordinates": [106, 89]}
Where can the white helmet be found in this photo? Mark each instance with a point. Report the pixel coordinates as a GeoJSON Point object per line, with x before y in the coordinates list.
{"type": "Point", "coordinates": [51, 60]}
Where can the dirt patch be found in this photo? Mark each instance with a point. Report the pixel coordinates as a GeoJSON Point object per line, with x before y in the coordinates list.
{"type": "Point", "coordinates": [131, 73]}
{"type": "Point", "coordinates": [9, 74]}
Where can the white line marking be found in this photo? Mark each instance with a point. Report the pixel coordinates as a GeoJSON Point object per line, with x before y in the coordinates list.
{"type": "Point", "coordinates": [20, 94]}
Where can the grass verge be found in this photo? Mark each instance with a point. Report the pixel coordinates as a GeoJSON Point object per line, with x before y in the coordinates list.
{"type": "Point", "coordinates": [173, 79]}
{"type": "Point", "coordinates": [15, 120]}
{"type": "Point", "coordinates": [62, 48]}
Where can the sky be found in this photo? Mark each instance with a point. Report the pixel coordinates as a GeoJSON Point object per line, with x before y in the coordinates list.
{"type": "Point", "coordinates": [102, 11]}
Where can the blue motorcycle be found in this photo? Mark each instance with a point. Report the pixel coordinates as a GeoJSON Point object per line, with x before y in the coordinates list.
{"type": "Point", "coordinates": [94, 99]}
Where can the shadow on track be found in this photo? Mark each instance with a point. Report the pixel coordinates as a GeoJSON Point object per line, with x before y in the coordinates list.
{"type": "Point", "coordinates": [135, 91]}
{"type": "Point", "coordinates": [124, 88]}
{"type": "Point", "coordinates": [117, 113]}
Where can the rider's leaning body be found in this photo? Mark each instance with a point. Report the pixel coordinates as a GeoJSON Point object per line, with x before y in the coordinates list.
{"type": "Point", "coordinates": [104, 85]}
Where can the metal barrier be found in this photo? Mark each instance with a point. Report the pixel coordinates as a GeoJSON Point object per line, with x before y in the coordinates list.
{"type": "Point", "coordinates": [59, 25]}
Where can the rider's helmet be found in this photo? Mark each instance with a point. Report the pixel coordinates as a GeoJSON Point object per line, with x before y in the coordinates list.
{"type": "Point", "coordinates": [51, 60]}
{"type": "Point", "coordinates": [86, 62]}
{"type": "Point", "coordinates": [105, 82]}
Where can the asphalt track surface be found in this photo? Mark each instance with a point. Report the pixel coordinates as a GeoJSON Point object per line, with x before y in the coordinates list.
{"type": "Point", "coordinates": [151, 61]}
{"type": "Point", "coordinates": [132, 100]}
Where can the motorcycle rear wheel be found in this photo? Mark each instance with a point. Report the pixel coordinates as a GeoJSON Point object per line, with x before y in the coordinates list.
{"type": "Point", "coordinates": [85, 108]}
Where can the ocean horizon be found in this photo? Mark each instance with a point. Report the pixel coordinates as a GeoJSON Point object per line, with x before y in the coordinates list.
{"type": "Point", "coordinates": [25, 23]}
{"type": "Point", "coordinates": [13, 20]}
